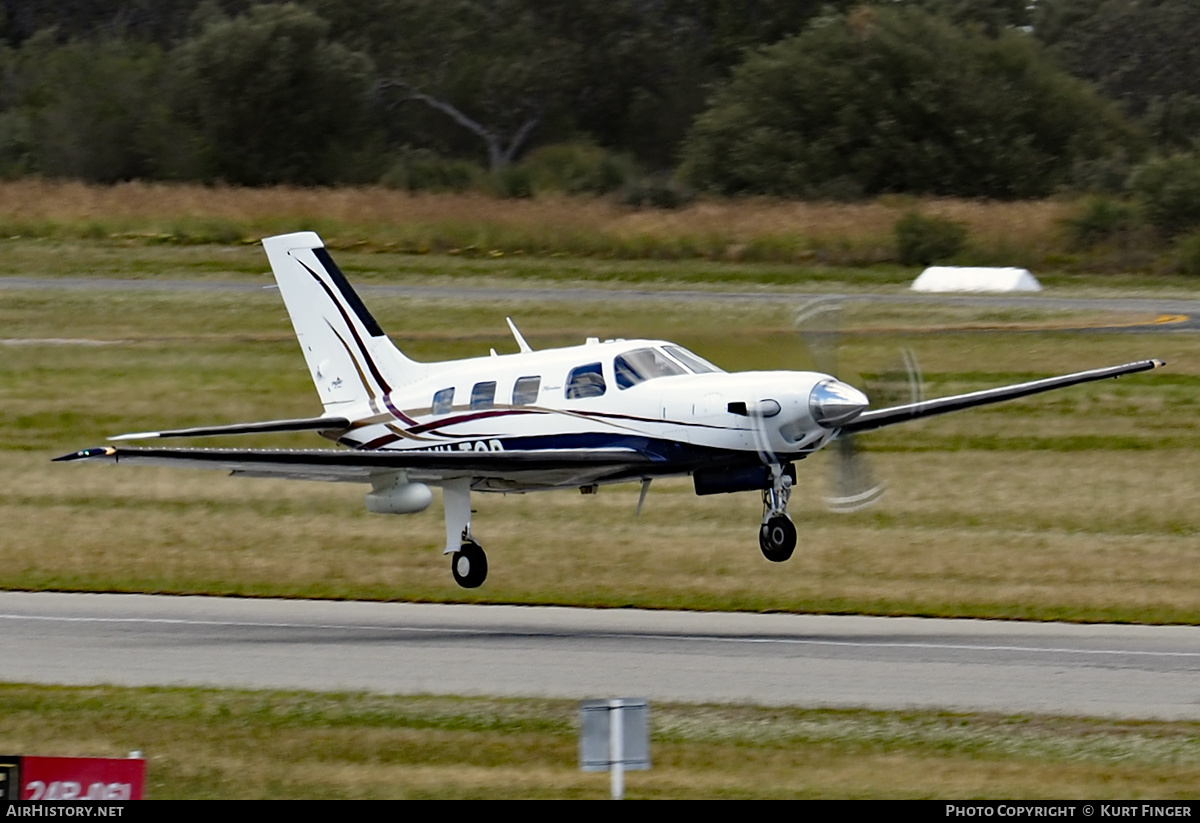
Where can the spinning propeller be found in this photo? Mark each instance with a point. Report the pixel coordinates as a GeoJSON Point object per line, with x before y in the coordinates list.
{"type": "Point", "coordinates": [853, 485]}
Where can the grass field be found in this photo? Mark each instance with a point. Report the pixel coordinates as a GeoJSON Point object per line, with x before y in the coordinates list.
{"type": "Point", "coordinates": [1075, 505]}
{"type": "Point", "coordinates": [231, 744]}
{"type": "Point", "coordinates": [1079, 505]}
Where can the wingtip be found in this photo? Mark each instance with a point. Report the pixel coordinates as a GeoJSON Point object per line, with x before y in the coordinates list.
{"type": "Point", "coordinates": [86, 454]}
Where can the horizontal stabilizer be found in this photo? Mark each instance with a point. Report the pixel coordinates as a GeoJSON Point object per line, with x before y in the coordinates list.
{"type": "Point", "coordinates": [878, 418]}
{"type": "Point", "coordinates": [265, 426]}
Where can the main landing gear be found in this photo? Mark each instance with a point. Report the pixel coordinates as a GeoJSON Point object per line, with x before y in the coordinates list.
{"type": "Point", "coordinates": [469, 565]}
{"type": "Point", "coordinates": [777, 535]}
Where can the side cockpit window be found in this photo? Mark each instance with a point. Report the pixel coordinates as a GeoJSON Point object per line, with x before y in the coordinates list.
{"type": "Point", "coordinates": [525, 390]}
{"type": "Point", "coordinates": [585, 381]}
{"type": "Point", "coordinates": [443, 401]}
{"type": "Point", "coordinates": [483, 395]}
{"type": "Point", "coordinates": [639, 365]}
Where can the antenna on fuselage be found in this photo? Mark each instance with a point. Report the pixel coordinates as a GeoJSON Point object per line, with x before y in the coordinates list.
{"type": "Point", "coordinates": [521, 344]}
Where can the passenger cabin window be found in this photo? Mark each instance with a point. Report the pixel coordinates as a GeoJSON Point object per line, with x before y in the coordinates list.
{"type": "Point", "coordinates": [585, 381]}
{"type": "Point", "coordinates": [640, 365]}
{"type": "Point", "coordinates": [483, 396]}
{"type": "Point", "coordinates": [443, 401]}
{"type": "Point", "coordinates": [525, 390]}
{"type": "Point", "coordinates": [695, 362]}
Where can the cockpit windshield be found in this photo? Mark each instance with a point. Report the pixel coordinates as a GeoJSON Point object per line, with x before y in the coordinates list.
{"type": "Point", "coordinates": [639, 365]}
{"type": "Point", "coordinates": [694, 362]}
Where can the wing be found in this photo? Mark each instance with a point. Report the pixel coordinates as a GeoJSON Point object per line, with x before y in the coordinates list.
{"type": "Point", "coordinates": [526, 468]}
{"type": "Point", "coordinates": [878, 418]}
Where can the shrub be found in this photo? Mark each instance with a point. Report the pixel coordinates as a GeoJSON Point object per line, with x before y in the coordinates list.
{"type": "Point", "coordinates": [1187, 254]}
{"type": "Point", "coordinates": [577, 168]}
{"type": "Point", "coordinates": [925, 240]}
{"type": "Point", "coordinates": [425, 170]}
{"type": "Point", "coordinates": [1170, 191]}
{"type": "Point", "coordinates": [512, 181]}
{"type": "Point", "coordinates": [1102, 219]}
{"type": "Point", "coordinates": [658, 193]}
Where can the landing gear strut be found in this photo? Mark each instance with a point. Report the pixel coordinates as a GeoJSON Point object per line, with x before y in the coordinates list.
{"type": "Point", "coordinates": [469, 565]}
{"type": "Point", "coordinates": [777, 535]}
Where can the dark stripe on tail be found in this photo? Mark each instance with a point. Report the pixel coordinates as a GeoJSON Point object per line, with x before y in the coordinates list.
{"type": "Point", "coordinates": [349, 294]}
{"type": "Point", "coordinates": [383, 384]}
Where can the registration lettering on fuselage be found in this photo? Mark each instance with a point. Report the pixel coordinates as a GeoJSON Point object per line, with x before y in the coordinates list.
{"type": "Point", "coordinates": [466, 446]}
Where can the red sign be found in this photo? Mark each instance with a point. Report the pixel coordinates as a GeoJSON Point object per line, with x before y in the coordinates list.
{"type": "Point", "coordinates": [81, 778]}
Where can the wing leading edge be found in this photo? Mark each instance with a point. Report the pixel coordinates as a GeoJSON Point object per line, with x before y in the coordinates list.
{"type": "Point", "coordinates": [359, 466]}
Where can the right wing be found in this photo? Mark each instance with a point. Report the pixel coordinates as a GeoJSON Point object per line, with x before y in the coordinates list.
{"type": "Point", "coordinates": [878, 418]}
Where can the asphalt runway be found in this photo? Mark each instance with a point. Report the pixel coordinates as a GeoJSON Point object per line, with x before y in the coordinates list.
{"type": "Point", "coordinates": [404, 648]}
{"type": "Point", "coordinates": [1173, 314]}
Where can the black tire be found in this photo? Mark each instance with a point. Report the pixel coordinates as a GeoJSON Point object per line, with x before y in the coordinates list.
{"type": "Point", "coordinates": [777, 538]}
{"type": "Point", "coordinates": [469, 566]}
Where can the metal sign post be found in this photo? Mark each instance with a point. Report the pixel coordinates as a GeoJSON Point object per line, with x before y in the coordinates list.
{"type": "Point", "coordinates": [614, 736]}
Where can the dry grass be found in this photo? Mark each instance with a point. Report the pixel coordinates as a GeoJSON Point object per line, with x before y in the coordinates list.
{"type": "Point", "coordinates": [748, 229]}
{"type": "Point", "coordinates": [33, 199]}
{"type": "Point", "coordinates": [1066, 540]}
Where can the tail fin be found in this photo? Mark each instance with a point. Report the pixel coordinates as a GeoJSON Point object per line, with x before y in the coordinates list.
{"type": "Point", "coordinates": [348, 355]}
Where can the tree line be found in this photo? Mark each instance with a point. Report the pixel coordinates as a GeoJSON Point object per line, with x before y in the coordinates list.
{"type": "Point", "coordinates": [809, 98]}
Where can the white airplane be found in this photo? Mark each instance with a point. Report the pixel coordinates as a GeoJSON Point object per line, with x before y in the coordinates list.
{"type": "Point", "coordinates": [616, 411]}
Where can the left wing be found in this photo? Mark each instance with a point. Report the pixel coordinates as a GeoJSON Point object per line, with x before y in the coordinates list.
{"type": "Point", "coordinates": [359, 466]}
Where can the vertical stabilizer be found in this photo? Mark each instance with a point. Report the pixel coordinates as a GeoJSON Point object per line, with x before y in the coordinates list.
{"type": "Point", "coordinates": [349, 357]}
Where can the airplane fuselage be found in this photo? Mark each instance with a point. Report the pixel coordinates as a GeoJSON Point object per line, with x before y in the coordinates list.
{"type": "Point", "coordinates": [651, 397]}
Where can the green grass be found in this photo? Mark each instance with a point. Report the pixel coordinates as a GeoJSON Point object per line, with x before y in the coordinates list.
{"type": "Point", "coordinates": [236, 744]}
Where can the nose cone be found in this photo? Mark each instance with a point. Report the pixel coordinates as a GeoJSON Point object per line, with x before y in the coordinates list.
{"type": "Point", "coordinates": [832, 403]}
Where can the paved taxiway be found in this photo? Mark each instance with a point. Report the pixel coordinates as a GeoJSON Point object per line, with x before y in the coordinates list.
{"type": "Point", "coordinates": [400, 648]}
{"type": "Point", "coordinates": [1170, 304]}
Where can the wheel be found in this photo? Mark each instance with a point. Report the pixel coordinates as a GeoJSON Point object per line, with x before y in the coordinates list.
{"type": "Point", "coordinates": [469, 566]}
{"type": "Point", "coordinates": [777, 538]}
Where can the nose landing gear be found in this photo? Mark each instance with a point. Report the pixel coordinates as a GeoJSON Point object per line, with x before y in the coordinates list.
{"type": "Point", "coordinates": [777, 535]}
